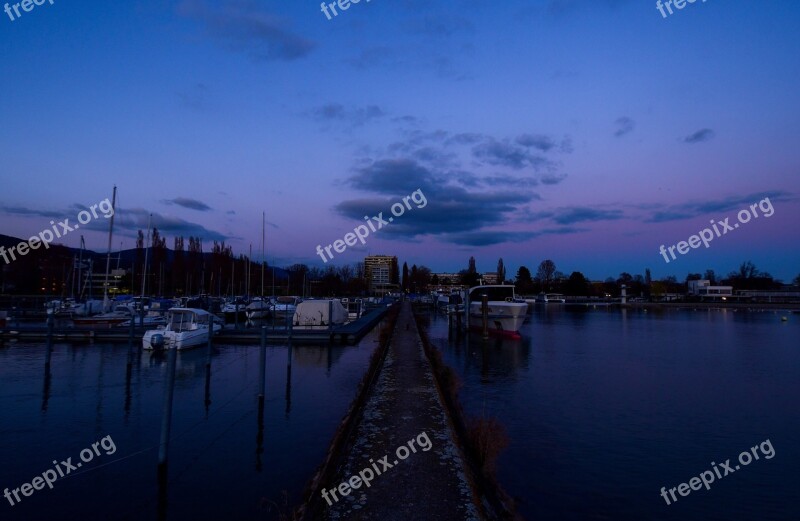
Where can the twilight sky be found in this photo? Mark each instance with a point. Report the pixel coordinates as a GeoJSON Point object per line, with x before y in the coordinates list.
{"type": "Point", "coordinates": [588, 132]}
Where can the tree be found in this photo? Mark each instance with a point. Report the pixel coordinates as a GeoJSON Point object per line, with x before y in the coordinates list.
{"type": "Point", "coordinates": [797, 280]}
{"type": "Point", "coordinates": [405, 277]}
{"type": "Point", "coordinates": [577, 285]}
{"type": "Point", "coordinates": [471, 266]}
{"type": "Point", "coordinates": [546, 272]}
{"type": "Point", "coordinates": [524, 281]}
{"type": "Point", "coordinates": [693, 276]}
{"type": "Point", "coordinates": [501, 272]}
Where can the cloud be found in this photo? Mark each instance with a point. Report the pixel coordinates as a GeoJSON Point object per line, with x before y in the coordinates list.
{"type": "Point", "coordinates": [135, 219]}
{"type": "Point", "coordinates": [21, 210]}
{"type": "Point", "coordinates": [625, 125]}
{"type": "Point", "coordinates": [503, 153]}
{"type": "Point", "coordinates": [573, 214]}
{"type": "Point", "coordinates": [491, 237]}
{"type": "Point", "coordinates": [336, 112]}
{"type": "Point", "coordinates": [716, 207]}
{"type": "Point", "coordinates": [192, 204]}
{"type": "Point", "coordinates": [543, 143]}
{"type": "Point", "coordinates": [699, 136]}
{"type": "Point", "coordinates": [451, 208]}
{"type": "Point", "coordinates": [243, 26]}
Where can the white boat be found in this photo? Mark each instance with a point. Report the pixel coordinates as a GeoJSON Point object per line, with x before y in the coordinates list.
{"type": "Point", "coordinates": [186, 328]}
{"type": "Point", "coordinates": [552, 298]}
{"type": "Point", "coordinates": [323, 313]}
{"type": "Point", "coordinates": [505, 313]}
{"type": "Point", "coordinates": [258, 308]}
{"type": "Point", "coordinates": [354, 308]}
{"type": "Point", "coordinates": [118, 316]}
{"type": "Point", "coordinates": [285, 306]}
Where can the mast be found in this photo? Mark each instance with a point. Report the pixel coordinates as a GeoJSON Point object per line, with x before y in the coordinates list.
{"type": "Point", "coordinates": [108, 256]}
{"type": "Point", "coordinates": [146, 247]}
{"type": "Point", "coordinates": [263, 217]}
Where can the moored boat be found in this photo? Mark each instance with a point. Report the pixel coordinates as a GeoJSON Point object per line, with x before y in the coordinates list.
{"type": "Point", "coordinates": [186, 328]}
{"type": "Point", "coordinates": [505, 314]}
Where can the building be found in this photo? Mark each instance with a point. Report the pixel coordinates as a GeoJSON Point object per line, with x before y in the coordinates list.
{"type": "Point", "coordinates": [703, 288]}
{"type": "Point", "coordinates": [382, 273]}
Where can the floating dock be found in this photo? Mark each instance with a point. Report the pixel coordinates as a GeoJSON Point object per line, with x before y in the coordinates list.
{"type": "Point", "coordinates": [348, 334]}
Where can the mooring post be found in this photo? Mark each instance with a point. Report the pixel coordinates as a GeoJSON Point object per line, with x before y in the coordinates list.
{"type": "Point", "coordinates": [485, 309]}
{"type": "Point", "coordinates": [466, 313]}
{"type": "Point", "coordinates": [262, 366]}
{"type": "Point", "coordinates": [210, 340]}
{"type": "Point", "coordinates": [330, 314]}
{"type": "Point", "coordinates": [236, 317]}
{"type": "Point", "coordinates": [166, 418]}
{"type": "Point", "coordinates": [50, 324]}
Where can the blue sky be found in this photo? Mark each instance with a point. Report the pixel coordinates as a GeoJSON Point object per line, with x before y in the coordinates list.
{"type": "Point", "coordinates": [588, 132]}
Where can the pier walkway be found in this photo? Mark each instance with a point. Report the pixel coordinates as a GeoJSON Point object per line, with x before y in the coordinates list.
{"type": "Point", "coordinates": [402, 409]}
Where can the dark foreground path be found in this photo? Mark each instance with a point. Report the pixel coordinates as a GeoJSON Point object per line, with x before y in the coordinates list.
{"type": "Point", "coordinates": [403, 409]}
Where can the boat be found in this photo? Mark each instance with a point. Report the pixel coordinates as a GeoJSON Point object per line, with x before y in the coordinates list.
{"type": "Point", "coordinates": [258, 308]}
{"type": "Point", "coordinates": [505, 313]}
{"type": "Point", "coordinates": [551, 298]}
{"type": "Point", "coordinates": [120, 314]}
{"type": "Point", "coordinates": [285, 306]}
{"type": "Point", "coordinates": [186, 328]}
{"type": "Point", "coordinates": [234, 306]}
{"type": "Point", "coordinates": [354, 308]}
{"type": "Point", "coordinates": [322, 313]}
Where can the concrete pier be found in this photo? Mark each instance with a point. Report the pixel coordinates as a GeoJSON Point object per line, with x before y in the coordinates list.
{"type": "Point", "coordinates": [403, 405]}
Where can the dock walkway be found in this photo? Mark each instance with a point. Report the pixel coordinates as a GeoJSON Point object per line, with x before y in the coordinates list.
{"type": "Point", "coordinates": [404, 405]}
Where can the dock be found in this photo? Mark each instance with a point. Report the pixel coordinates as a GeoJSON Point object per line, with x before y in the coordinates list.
{"type": "Point", "coordinates": [347, 334]}
{"type": "Point", "coordinates": [401, 440]}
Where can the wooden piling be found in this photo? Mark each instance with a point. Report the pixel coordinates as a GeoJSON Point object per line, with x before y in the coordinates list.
{"type": "Point", "coordinates": [166, 418]}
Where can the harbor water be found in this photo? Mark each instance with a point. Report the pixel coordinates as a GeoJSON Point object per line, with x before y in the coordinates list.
{"type": "Point", "coordinates": [604, 407]}
{"type": "Point", "coordinates": [222, 465]}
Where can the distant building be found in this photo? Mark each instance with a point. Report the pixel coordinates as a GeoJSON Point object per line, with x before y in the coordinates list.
{"type": "Point", "coordinates": [381, 271]}
{"type": "Point", "coordinates": [490, 278]}
{"type": "Point", "coordinates": [447, 279]}
{"type": "Point", "coordinates": [703, 288]}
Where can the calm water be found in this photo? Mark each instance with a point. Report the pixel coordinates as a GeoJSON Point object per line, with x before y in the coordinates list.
{"type": "Point", "coordinates": [217, 468]}
{"type": "Point", "coordinates": [605, 407]}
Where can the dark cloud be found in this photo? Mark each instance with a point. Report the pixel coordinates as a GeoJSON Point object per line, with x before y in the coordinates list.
{"type": "Point", "coordinates": [625, 125]}
{"type": "Point", "coordinates": [503, 153]}
{"type": "Point", "coordinates": [575, 214]}
{"type": "Point", "coordinates": [450, 207]}
{"type": "Point", "coordinates": [552, 179]}
{"type": "Point", "coordinates": [356, 116]}
{"type": "Point", "coordinates": [243, 26]}
{"type": "Point", "coordinates": [715, 207]}
{"type": "Point", "coordinates": [135, 219]}
{"type": "Point", "coordinates": [491, 237]}
{"type": "Point", "coordinates": [21, 210]}
{"type": "Point", "coordinates": [192, 204]}
{"type": "Point", "coordinates": [543, 143]}
{"type": "Point", "coordinates": [699, 136]}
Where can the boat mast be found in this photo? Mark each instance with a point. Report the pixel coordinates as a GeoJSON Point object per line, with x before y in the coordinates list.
{"type": "Point", "coordinates": [146, 247]}
{"type": "Point", "coordinates": [263, 217]}
{"type": "Point", "coordinates": [108, 256]}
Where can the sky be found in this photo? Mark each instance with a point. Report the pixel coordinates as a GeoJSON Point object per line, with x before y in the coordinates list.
{"type": "Point", "coordinates": [586, 132]}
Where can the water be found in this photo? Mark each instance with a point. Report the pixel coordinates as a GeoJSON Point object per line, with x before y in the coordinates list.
{"type": "Point", "coordinates": [217, 468]}
{"type": "Point", "coordinates": [604, 407]}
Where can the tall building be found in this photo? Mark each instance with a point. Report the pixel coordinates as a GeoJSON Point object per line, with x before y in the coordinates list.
{"type": "Point", "coordinates": [382, 273]}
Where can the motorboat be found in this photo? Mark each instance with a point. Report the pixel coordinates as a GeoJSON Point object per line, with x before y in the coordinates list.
{"type": "Point", "coordinates": [186, 328]}
{"type": "Point", "coordinates": [354, 307]}
{"type": "Point", "coordinates": [234, 306]}
{"type": "Point", "coordinates": [311, 314]}
{"type": "Point", "coordinates": [120, 314]}
{"type": "Point", "coordinates": [258, 308]}
{"type": "Point", "coordinates": [505, 314]}
{"type": "Point", "coordinates": [551, 298]}
{"type": "Point", "coordinates": [285, 307]}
